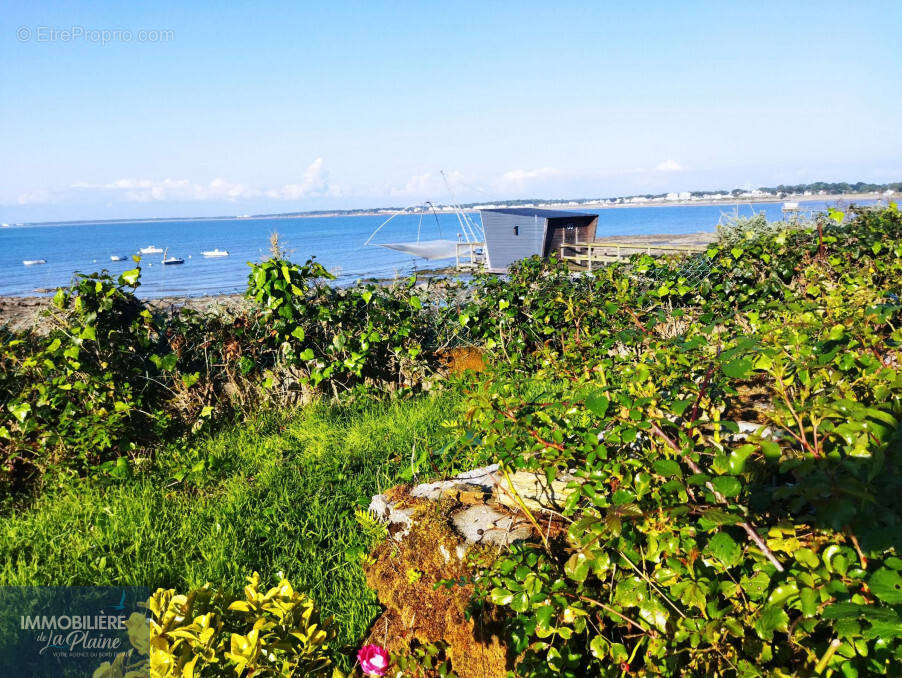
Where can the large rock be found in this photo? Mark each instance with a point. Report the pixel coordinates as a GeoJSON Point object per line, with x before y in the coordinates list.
{"type": "Point", "coordinates": [488, 489]}
{"type": "Point", "coordinates": [482, 524]}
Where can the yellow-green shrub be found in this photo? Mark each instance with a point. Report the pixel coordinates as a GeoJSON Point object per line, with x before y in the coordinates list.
{"type": "Point", "coordinates": [207, 633]}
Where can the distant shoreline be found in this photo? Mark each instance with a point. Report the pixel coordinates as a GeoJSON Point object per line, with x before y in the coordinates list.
{"type": "Point", "coordinates": [386, 212]}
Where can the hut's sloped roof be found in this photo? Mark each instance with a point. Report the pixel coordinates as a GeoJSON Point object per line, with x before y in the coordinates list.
{"type": "Point", "coordinates": [541, 213]}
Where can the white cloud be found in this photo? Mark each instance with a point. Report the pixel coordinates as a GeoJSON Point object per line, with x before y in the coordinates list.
{"type": "Point", "coordinates": [669, 166]}
{"type": "Point", "coordinates": [168, 190]}
{"type": "Point", "coordinates": [313, 183]}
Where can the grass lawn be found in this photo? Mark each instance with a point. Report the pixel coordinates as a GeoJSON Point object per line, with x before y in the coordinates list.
{"type": "Point", "coordinates": [275, 494]}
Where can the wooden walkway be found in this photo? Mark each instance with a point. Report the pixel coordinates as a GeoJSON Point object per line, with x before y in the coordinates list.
{"type": "Point", "coordinates": [589, 253]}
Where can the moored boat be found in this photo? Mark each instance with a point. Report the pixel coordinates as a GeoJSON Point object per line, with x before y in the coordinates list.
{"type": "Point", "coordinates": [171, 261]}
{"type": "Point", "coordinates": [216, 253]}
{"type": "Point", "coordinates": [33, 262]}
{"type": "Point", "coordinates": [150, 249]}
{"type": "Point", "coordinates": [116, 257]}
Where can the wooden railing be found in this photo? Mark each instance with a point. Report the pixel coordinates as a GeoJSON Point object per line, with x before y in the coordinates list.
{"type": "Point", "coordinates": [607, 252]}
{"type": "Point", "coordinates": [468, 257]}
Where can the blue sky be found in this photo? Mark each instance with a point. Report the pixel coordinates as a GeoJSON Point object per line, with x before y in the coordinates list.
{"type": "Point", "coordinates": [279, 106]}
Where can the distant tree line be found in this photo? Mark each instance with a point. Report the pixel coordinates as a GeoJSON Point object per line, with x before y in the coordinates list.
{"type": "Point", "coordinates": [783, 189]}
{"type": "Point", "coordinates": [835, 187]}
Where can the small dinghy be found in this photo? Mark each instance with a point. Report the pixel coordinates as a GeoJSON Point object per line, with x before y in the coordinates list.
{"type": "Point", "coordinates": [150, 249]}
{"type": "Point", "coordinates": [216, 253]}
{"type": "Point", "coordinates": [116, 257]}
{"type": "Point", "coordinates": [33, 262]}
{"type": "Point", "coordinates": [171, 261]}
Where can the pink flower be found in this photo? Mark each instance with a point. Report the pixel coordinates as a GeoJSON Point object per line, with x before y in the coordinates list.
{"type": "Point", "coordinates": [373, 660]}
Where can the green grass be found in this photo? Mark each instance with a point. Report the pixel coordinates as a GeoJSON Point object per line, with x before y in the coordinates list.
{"type": "Point", "coordinates": [276, 494]}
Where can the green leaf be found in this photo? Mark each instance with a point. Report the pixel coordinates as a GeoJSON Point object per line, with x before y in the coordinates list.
{"type": "Point", "coordinates": [755, 586]}
{"type": "Point", "coordinates": [630, 591]}
{"type": "Point", "coordinates": [598, 404]}
{"type": "Point", "coordinates": [598, 646]}
{"type": "Point", "coordinates": [724, 548]}
{"type": "Point", "coordinates": [736, 460]}
{"type": "Point", "coordinates": [654, 612]}
{"type": "Point", "coordinates": [738, 369]}
{"type": "Point", "coordinates": [808, 599]}
{"type": "Point", "coordinates": [771, 619]}
{"type": "Point", "coordinates": [130, 277]}
{"type": "Point", "coordinates": [667, 468]}
{"type": "Point", "coordinates": [520, 602]}
{"type": "Point", "coordinates": [693, 593]}
{"type": "Point", "coordinates": [543, 616]}
{"type": "Point", "coordinates": [415, 302]}
{"type": "Point", "coordinates": [807, 558]}
{"type": "Point", "coordinates": [770, 449]}
{"type": "Point", "coordinates": [19, 410]}
{"type": "Point", "coordinates": [886, 584]}
{"type": "Point", "coordinates": [298, 333]}
{"type": "Point", "coordinates": [577, 567]}
{"type": "Point", "coordinates": [728, 486]}
{"type": "Point", "coordinates": [501, 596]}
{"type": "Point", "coordinates": [306, 354]}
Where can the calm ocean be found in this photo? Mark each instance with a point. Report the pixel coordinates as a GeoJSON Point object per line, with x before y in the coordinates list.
{"type": "Point", "coordinates": [337, 242]}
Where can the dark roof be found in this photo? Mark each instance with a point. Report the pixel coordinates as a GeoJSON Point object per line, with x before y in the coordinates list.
{"type": "Point", "coordinates": [544, 214]}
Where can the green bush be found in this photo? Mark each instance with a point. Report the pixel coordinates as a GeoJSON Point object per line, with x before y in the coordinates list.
{"type": "Point", "coordinates": [340, 339]}
{"type": "Point", "coordinates": [81, 395]}
{"type": "Point", "coordinates": [207, 633]}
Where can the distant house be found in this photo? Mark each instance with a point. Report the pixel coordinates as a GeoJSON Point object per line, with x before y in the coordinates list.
{"type": "Point", "coordinates": [518, 233]}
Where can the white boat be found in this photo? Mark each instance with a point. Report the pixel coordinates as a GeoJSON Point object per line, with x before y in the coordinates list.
{"type": "Point", "coordinates": [150, 249]}
{"type": "Point", "coordinates": [171, 261]}
{"type": "Point", "coordinates": [216, 253]}
{"type": "Point", "coordinates": [116, 257]}
{"type": "Point", "coordinates": [33, 262]}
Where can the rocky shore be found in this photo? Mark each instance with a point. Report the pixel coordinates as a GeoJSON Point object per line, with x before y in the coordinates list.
{"type": "Point", "coordinates": [23, 313]}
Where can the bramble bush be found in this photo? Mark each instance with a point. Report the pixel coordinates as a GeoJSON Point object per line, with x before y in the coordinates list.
{"type": "Point", "coordinates": [367, 335]}
{"type": "Point", "coordinates": [736, 447]}
{"type": "Point", "coordinates": [81, 393]}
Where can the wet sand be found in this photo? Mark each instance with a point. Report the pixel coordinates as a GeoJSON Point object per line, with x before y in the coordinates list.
{"type": "Point", "coordinates": [698, 239]}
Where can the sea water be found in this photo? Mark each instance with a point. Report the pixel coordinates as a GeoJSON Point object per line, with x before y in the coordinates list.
{"type": "Point", "coordinates": [336, 242]}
